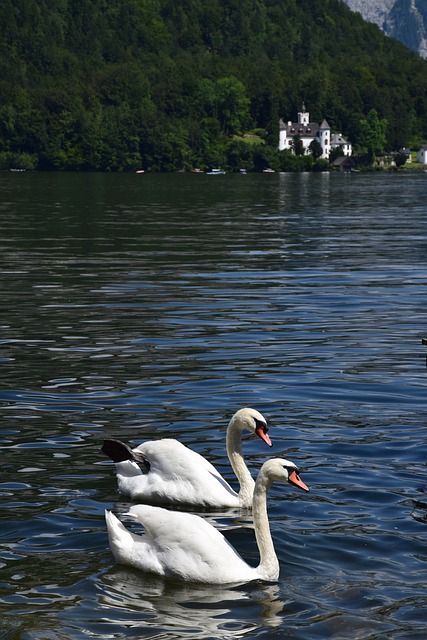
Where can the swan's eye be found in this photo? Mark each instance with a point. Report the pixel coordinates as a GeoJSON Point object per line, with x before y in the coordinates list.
{"type": "Point", "coordinates": [291, 469]}
{"type": "Point", "coordinates": [261, 425]}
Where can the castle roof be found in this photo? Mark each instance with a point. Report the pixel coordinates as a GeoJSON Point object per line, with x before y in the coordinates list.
{"type": "Point", "coordinates": [338, 139]}
{"type": "Point", "coordinates": [309, 130]}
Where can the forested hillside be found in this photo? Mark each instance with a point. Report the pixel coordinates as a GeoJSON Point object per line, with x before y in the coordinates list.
{"type": "Point", "coordinates": [167, 84]}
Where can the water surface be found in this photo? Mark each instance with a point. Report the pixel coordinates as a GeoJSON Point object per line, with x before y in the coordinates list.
{"type": "Point", "coordinates": [145, 306]}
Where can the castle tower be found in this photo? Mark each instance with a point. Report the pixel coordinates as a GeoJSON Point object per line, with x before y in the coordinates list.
{"type": "Point", "coordinates": [325, 138]}
{"type": "Point", "coordinates": [303, 116]}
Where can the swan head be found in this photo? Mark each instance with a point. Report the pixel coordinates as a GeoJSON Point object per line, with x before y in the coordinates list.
{"type": "Point", "coordinates": [253, 421]}
{"type": "Point", "coordinates": [283, 470]}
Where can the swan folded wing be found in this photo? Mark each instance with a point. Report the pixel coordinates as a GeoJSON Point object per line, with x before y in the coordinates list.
{"type": "Point", "coordinates": [188, 547]}
{"type": "Point", "coordinates": [178, 474]}
{"type": "Point", "coordinates": [170, 457]}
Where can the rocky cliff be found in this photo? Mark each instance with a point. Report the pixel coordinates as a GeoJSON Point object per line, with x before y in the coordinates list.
{"type": "Point", "coordinates": [404, 20]}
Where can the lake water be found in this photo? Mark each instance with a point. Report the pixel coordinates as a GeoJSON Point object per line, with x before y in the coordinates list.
{"type": "Point", "coordinates": [145, 306]}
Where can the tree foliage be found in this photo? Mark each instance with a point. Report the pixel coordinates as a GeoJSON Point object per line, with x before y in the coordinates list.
{"type": "Point", "coordinates": [373, 134]}
{"type": "Point", "coordinates": [298, 145]}
{"type": "Point", "coordinates": [315, 149]}
{"type": "Point", "coordinates": [116, 85]}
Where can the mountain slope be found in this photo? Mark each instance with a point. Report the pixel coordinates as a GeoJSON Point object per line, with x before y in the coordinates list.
{"type": "Point", "coordinates": [401, 19]}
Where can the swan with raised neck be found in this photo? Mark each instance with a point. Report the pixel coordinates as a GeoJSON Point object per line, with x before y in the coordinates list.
{"type": "Point", "coordinates": [172, 473]}
{"type": "Point", "coordinates": [186, 547]}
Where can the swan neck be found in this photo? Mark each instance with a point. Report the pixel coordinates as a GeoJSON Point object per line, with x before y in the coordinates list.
{"type": "Point", "coordinates": [234, 452]}
{"type": "Point", "coordinates": [268, 567]}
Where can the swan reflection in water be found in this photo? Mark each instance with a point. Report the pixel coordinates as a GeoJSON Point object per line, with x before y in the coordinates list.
{"type": "Point", "coordinates": [135, 600]}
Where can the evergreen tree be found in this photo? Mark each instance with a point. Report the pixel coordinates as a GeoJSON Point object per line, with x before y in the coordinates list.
{"type": "Point", "coordinates": [373, 134]}
{"type": "Point", "coordinates": [298, 145]}
{"type": "Point", "coordinates": [160, 84]}
{"type": "Point", "coordinates": [315, 149]}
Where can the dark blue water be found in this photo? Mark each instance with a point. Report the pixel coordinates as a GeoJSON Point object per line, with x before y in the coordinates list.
{"type": "Point", "coordinates": [145, 306]}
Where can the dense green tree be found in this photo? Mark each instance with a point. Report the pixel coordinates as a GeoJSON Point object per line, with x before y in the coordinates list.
{"type": "Point", "coordinates": [400, 159]}
{"type": "Point", "coordinates": [372, 134]}
{"type": "Point", "coordinates": [321, 164]}
{"type": "Point", "coordinates": [265, 157]}
{"type": "Point", "coordinates": [290, 162]}
{"type": "Point", "coordinates": [315, 149]}
{"type": "Point", "coordinates": [232, 105]}
{"type": "Point", "coordinates": [160, 84]}
{"type": "Point", "coordinates": [298, 145]}
{"type": "Point", "coordinates": [240, 155]}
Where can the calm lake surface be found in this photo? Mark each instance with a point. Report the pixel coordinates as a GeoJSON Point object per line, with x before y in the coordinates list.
{"type": "Point", "coordinates": [146, 306]}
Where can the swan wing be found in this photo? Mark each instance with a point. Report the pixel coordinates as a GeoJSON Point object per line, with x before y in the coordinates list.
{"type": "Point", "coordinates": [169, 457]}
{"type": "Point", "coordinates": [179, 475]}
{"type": "Point", "coordinates": [187, 547]}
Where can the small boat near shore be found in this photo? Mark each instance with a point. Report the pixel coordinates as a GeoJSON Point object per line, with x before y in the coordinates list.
{"type": "Point", "coordinates": [215, 172]}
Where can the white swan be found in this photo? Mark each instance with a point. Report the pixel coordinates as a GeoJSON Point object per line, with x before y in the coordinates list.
{"type": "Point", "coordinates": [174, 474]}
{"type": "Point", "coordinates": [186, 547]}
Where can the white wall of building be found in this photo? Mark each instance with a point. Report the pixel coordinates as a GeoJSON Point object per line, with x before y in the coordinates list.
{"type": "Point", "coordinates": [322, 134]}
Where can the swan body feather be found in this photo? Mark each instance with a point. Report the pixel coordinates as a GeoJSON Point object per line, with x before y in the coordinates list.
{"type": "Point", "coordinates": [209, 558]}
{"type": "Point", "coordinates": [184, 546]}
{"type": "Point", "coordinates": [175, 474]}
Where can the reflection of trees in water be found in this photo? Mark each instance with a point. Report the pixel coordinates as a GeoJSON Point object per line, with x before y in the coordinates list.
{"type": "Point", "coordinates": [159, 606]}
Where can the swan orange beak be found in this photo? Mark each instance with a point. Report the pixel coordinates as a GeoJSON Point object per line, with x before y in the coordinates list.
{"type": "Point", "coordinates": [261, 433]}
{"type": "Point", "coordinates": [296, 481]}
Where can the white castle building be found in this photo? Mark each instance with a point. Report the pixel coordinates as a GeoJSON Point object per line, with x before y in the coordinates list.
{"type": "Point", "coordinates": [309, 131]}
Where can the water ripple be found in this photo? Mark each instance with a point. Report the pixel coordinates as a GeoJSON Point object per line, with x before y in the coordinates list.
{"type": "Point", "coordinates": [157, 308]}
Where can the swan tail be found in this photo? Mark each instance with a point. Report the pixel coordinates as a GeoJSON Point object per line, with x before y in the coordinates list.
{"type": "Point", "coordinates": [120, 452]}
{"type": "Point", "coordinates": [119, 538]}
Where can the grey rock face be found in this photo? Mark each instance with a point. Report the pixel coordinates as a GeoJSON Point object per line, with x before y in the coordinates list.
{"type": "Point", "coordinates": [404, 20]}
